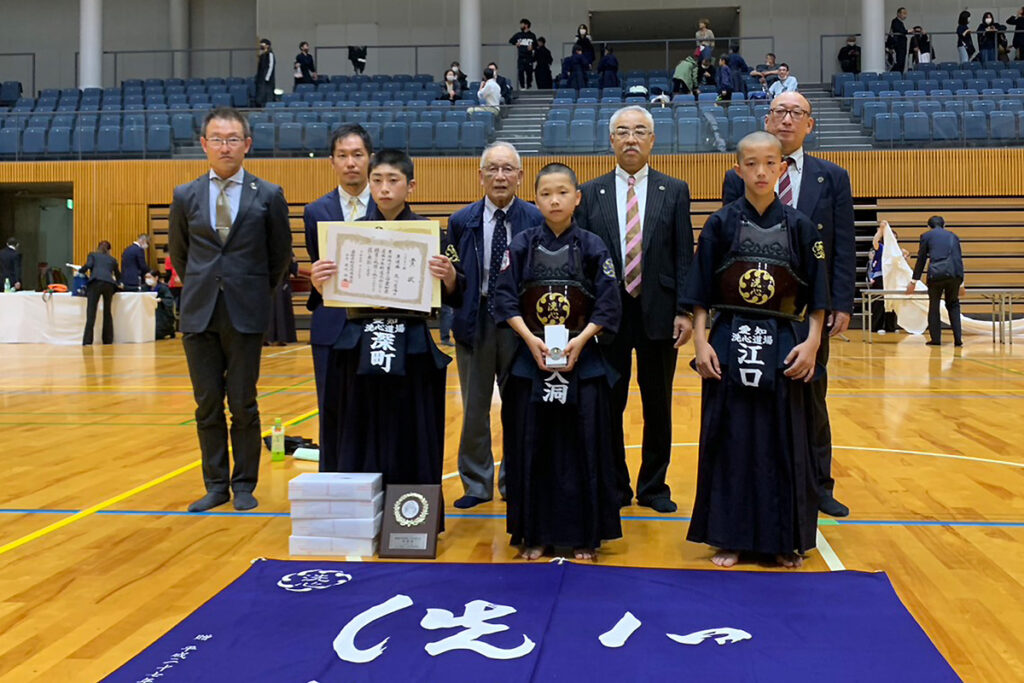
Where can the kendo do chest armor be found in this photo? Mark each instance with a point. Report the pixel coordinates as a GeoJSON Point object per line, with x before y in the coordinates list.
{"type": "Point", "coordinates": [757, 275]}
{"type": "Point", "coordinates": [555, 290]}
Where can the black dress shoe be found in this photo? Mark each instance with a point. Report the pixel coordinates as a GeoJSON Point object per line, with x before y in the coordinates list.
{"type": "Point", "coordinates": [467, 502]}
{"type": "Point", "coordinates": [662, 505]}
{"type": "Point", "coordinates": [931, 343]}
{"type": "Point", "coordinates": [832, 507]}
{"type": "Point", "coordinates": [210, 500]}
{"type": "Point", "coordinates": [244, 500]}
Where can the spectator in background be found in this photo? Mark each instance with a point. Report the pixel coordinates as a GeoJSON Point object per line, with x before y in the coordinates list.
{"type": "Point", "coordinates": [451, 88]}
{"type": "Point", "coordinates": [786, 83]}
{"type": "Point", "coordinates": [684, 79]}
{"type": "Point", "coordinates": [103, 274]}
{"type": "Point", "coordinates": [489, 94]}
{"type": "Point", "coordinates": [584, 43]}
{"type": "Point", "coordinates": [542, 60]}
{"type": "Point", "coordinates": [133, 264]}
{"type": "Point", "coordinates": [10, 265]}
{"type": "Point", "coordinates": [897, 40]}
{"type": "Point", "coordinates": [173, 281]}
{"type": "Point", "coordinates": [988, 31]}
{"type": "Point", "coordinates": [503, 83]}
{"type": "Point", "coordinates": [305, 69]}
{"type": "Point", "coordinates": [706, 77]}
{"type": "Point", "coordinates": [849, 56]}
{"type": "Point", "coordinates": [705, 39]}
{"type": "Point", "coordinates": [266, 68]}
{"type": "Point", "coordinates": [357, 55]}
{"type": "Point", "coordinates": [723, 79]}
{"type": "Point", "coordinates": [921, 49]}
{"type": "Point", "coordinates": [574, 69]}
{"type": "Point", "coordinates": [964, 41]}
{"type": "Point", "coordinates": [940, 248]}
{"type": "Point", "coordinates": [1017, 21]}
{"type": "Point", "coordinates": [739, 68]}
{"type": "Point", "coordinates": [608, 68]}
{"type": "Point", "coordinates": [460, 76]}
{"type": "Point", "coordinates": [767, 72]}
{"type": "Point", "coordinates": [164, 305]}
{"type": "Point", "coordinates": [525, 42]}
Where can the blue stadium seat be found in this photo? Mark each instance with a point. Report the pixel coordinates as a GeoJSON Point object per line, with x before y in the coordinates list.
{"type": "Point", "coordinates": [58, 141]}
{"type": "Point", "coordinates": [458, 115]}
{"type": "Point", "coordinates": [181, 128]}
{"type": "Point", "coordinates": [664, 134]}
{"type": "Point", "coordinates": [872, 109]}
{"type": "Point", "coordinates": [108, 140]}
{"type": "Point", "coordinates": [331, 119]}
{"type": "Point", "coordinates": [581, 135]}
{"type": "Point", "coordinates": [446, 135]}
{"type": "Point", "coordinates": [975, 125]}
{"type": "Point", "coordinates": [1002, 125]}
{"type": "Point", "coordinates": [901, 107]}
{"type": "Point", "coordinates": [688, 134]}
{"type": "Point", "coordinates": [859, 98]}
{"type": "Point", "coordinates": [314, 136]}
{"type": "Point", "coordinates": [945, 126]}
{"type": "Point", "coordinates": [382, 117]}
{"type": "Point", "coordinates": [555, 135]}
{"type": "Point", "coordinates": [979, 83]}
{"type": "Point", "coordinates": [83, 139]}
{"type": "Point", "coordinates": [917, 127]}
{"type": "Point", "coordinates": [929, 107]}
{"type": "Point", "coordinates": [33, 141]}
{"type": "Point", "coordinates": [158, 139]}
{"type": "Point", "coordinates": [133, 138]}
{"type": "Point", "coordinates": [306, 117]}
{"type": "Point", "coordinates": [956, 106]}
{"type": "Point", "coordinates": [434, 117]}
{"type": "Point", "coordinates": [1003, 84]}
{"type": "Point", "coordinates": [1011, 104]}
{"type": "Point", "coordinates": [473, 136]}
{"type": "Point", "coordinates": [741, 126]}
{"type": "Point", "coordinates": [263, 137]}
{"type": "Point", "coordinates": [987, 106]}
{"type": "Point", "coordinates": [421, 136]}
{"type": "Point", "coordinates": [289, 137]}
{"type": "Point", "coordinates": [395, 135]}
{"type": "Point", "coordinates": [10, 141]}
{"type": "Point", "coordinates": [406, 117]}
{"type": "Point", "coordinates": [887, 128]}
{"type": "Point", "coordinates": [375, 133]}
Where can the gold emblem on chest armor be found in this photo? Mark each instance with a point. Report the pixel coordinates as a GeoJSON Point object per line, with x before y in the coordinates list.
{"type": "Point", "coordinates": [553, 309]}
{"type": "Point", "coordinates": [757, 286]}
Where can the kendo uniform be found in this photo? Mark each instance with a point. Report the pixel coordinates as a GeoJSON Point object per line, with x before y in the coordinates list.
{"type": "Point", "coordinates": [542, 60]}
{"type": "Point", "coordinates": [390, 394]}
{"type": "Point", "coordinates": [761, 275]}
{"type": "Point", "coordinates": [559, 460]}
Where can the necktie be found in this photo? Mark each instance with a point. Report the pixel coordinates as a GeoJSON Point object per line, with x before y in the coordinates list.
{"type": "Point", "coordinates": [223, 209]}
{"type": "Point", "coordinates": [353, 209]}
{"type": "Point", "coordinates": [499, 244]}
{"type": "Point", "coordinates": [786, 185]}
{"type": "Point", "coordinates": [634, 241]}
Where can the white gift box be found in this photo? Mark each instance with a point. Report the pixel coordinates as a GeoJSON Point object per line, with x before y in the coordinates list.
{"type": "Point", "coordinates": [335, 486]}
{"type": "Point", "coordinates": [325, 545]}
{"type": "Point", "coordinates": [338, 528]}
{"type": "Point", "coordinates": [338, 509]}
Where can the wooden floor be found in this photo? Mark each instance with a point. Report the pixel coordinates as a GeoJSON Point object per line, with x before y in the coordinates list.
{"type": "Point", "coordinates": [928, 456]}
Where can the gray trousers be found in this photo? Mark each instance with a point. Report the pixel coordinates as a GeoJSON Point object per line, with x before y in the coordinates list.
{"type": "Point", "coordinates": [479, 365]}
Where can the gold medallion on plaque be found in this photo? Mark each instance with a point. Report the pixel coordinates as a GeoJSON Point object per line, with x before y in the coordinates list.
{"type": "Point", "coordinates": [553, 309]}
{"type": "Point", "coordinates": [757, 286]}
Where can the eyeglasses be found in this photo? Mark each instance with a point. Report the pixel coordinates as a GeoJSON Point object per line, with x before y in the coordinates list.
{"type": "Point", "coordinates": [795, 114]}
{"type": "Point", "coordinates": [638, 133]}
{"type": "Point", "coordinates": [504, 170]}
{"type": "Point", "coordinates": [217, 143]}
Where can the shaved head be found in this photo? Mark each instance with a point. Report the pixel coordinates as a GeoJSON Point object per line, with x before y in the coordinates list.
{"type": "Point", "coordinates": [790, 120]}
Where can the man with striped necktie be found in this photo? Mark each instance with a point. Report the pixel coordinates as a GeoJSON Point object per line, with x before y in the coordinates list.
{"type": "Point", "coordinates": [643, 217]}
{"type": "Point", "coordinates": [820, 190]}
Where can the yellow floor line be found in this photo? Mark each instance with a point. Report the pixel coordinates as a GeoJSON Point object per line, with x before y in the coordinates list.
{"type": "Point", "coordinates": [82, 514]}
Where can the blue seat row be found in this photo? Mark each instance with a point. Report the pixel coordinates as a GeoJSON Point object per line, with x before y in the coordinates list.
{"type": "Point", "coordinates": [86, 141]}
{"type": "Point", "coordinates": [420, 136]}
{"type": "Point", "coordinates": [688, 134]}
{"type": "Point", "coordinates": [948, 126]}
{"type": "Point", "coordinates": [858, 102]}
{"type": "Point", "coordinates": [568, 112]}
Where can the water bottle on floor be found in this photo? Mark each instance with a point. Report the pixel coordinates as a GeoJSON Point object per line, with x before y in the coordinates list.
{"type": "Point", "coordinates": [277, 442]}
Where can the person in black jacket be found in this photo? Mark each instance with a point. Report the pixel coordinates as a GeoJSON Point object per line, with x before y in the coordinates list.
{"type": "Point", "coordinates": [305, 69]}
{"type": "Point", "coordinates": [574, 70]}
{"type": "Point", "coordinates": [849, 56]}
{"type": "Point", "coordinates": [164, 307]}
{"type": "Point", "coordinates": [460, 76]}
{"type": "Point", "coordinates": [583, 42]}
{"type": "Point", "coordinates": [898, 39]}
{"type": "Point", "coordinates": [103, 274]}
{"type": "Point", "coordinates": [266, 70]}
{"type": "Point", "coordinates": [525, 42]}
{"type": "Point", "coordinates": [10, 264]}
{"type": "Point", "coordinates": [609, 69]}
{"type": "Point", "coordinates": [921, 49]}
{"type": "Point", "coordinates": [988, 44]}
{"type": "Point", "coordinates": [357, 55]}
{"type": "Point", "coordinates": [1017, 21]}
{"type": "Point", "coordinates": [542, 60]}
{"type": "Point", "coordinates": [940, 248]}
{"type": "Point", "coordinates": [133, 264]}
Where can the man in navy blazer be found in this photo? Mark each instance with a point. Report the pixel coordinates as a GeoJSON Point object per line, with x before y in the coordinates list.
{"type": "Point", "coordinates": [349, 153]}
{"type": "Point", "coordinates": [482, 351]}
{"type": "Point", "coordinates": [820, 190]}
{"type": "Point", "coordinates": [231, 244]}
{"type": "Point", "coordinates": [655, 322]}
{"type": "Point", "coordinates": [133, 264]}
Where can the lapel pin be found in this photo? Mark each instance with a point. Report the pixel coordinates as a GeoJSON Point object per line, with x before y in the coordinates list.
{"type": "Point", "coordinates": [661, 187]}
{"type": "Point", "coordinates": [253, 184]}
{"type": "Point", "coordinates": [602, 190]}
{"type": "Point", "coordinates": [821, 179]}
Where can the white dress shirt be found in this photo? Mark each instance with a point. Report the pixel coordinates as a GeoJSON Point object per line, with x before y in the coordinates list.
{"type": "Point", "coordinates": [796, 174]}
{"type": "Point", "coordinates": [234, 190]}
{"type": "Point", "coordinates": [621, 188]}
{"type": "Point", "coordinates": [489, 209]}
{"type": "Point", "coordinates": [362, 203]}
{"type": "Point", "coordinates": [490, 93]}
{"type": "Point", "coordinates": [780, 86]}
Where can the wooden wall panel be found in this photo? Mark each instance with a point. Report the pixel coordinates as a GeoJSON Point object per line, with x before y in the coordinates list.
{"type": "Point", "coordinates": [112, 197]}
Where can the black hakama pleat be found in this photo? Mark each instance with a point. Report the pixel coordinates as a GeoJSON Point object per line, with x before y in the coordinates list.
{"type": "Point", "coordinates": [559, 467]}
{"type": "Point", "coordinates": [755, 478]}
{"type": "Point", "coordinates": [281, 328]}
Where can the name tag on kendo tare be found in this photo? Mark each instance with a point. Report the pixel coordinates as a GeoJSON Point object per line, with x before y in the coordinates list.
{"type": "Point", "coordinates": [753, 353]}
{"type": "Point", "coordinates": [411, 521]}
{"type": "Point", "coordinates": [381, 263]}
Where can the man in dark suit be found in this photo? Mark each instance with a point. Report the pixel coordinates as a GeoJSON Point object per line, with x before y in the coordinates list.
{"type": "Point", "coordinates": [231, 244]}
{"type": "Point", "coordinates": [940, 248]}
{"type": "Point", "coordinates": [10, 264]}
{"type": "Point", "coordinates": [820, 190]}
{"type": "Point", "coordinates": [898, 32]}
{"type": "Point", "coordinates": [133, 264]}
{"type": "Point", "coordinates": [480, 234]}
{"type": "Point", "coordinates": [350, 150]}
{"type": "Point", "coordinates": [266, 72]}
{"type": "Point", "coordinates": [643, 216]}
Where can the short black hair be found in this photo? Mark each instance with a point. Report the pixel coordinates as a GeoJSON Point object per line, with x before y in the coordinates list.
{"type": "Point", "coordinates": [900, 9]}
{"type": "Point", "coordinates": [305, 42]}
{"type": "Point", "coordinates": [393, 157]}
{"type": "Point", "coordinates": [723, 58]}
{"type": "Point", "coordinates": [770, 54]}
{"type": "Point", "coordinates": [488, 74]}
{"type": "Point", "coordinates": [552, 169]}
{"type": "Point", "coordinates": [103, 247]}
{"type": "Point", "coordinates": [494, 64]}
{"type": "Point", "coordinates": [155, 273]}
{"type": "Point", "coordinates": [265, 41]}
{"type": "Point", "coordinates": [965, 16]}
{"type": "Point", "coordinates": [527, 22]}
{"type": "Point", "coordinates": [784, 65]}
{"type": "Point", "coordinates": [936, 222]}
{"type": "Point", "coordinates": [229, 113]}
{"type": "Point", "coordinates": [12, 242]}
{"type": "Point", "coordinates": [542, 39]}
{"type": "Point", "coordinates": [346, 129]}
{"type": "Point", "coordinates": [608, 49]}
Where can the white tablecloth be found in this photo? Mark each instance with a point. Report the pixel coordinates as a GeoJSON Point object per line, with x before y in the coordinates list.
{"type": "Point", "coordinates": [26, 318]}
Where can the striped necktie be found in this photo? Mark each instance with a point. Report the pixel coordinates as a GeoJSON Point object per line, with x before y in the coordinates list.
{"type": "Point", "coordinates": [223, 209]}
{"type": "Point", "coordinates": [634, 241]}
{"type": "Point", "coordinates": [353, 209]}
{"type": "Point", "coordinates": [786, 185]}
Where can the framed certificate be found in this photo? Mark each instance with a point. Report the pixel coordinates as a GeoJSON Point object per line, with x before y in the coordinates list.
{"type": "Point", "coordinates": [382, 264]}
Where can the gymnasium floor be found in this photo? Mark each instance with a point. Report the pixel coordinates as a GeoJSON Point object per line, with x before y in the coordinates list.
{"type": "Point", "coordinates": [99, 453]}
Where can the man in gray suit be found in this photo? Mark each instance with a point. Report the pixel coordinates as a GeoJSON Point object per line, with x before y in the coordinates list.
{"type": "Point", "coordinates": [231, 243]}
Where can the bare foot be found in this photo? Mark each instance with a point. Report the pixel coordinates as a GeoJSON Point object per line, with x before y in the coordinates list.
{"type": "Point", "coordinates": [585, 554]}
{"type": "Point", "coordinates": [790, 560]}
{"type": "Point", "coordinates": [726, 558]}
{"type": "Point", "coordinates": [531, 553]}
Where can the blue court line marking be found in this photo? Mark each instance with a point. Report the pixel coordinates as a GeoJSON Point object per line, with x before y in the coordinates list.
{"type": "Point", "coordinates": [478, 515]}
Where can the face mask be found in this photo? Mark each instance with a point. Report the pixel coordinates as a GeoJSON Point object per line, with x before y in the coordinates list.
{"type": "Point", "coordinates": [150, 282]}
{"type": "Point", "coordinates": [583, 31]}
{"type": "Point", "coordinates": [851, 44]}
{"type": "Point", "coordinates": [455, 69]}
{"type": "Point", "coordinates": [988, 21]}
{"type": "Point", "coordinates": [450, 77]}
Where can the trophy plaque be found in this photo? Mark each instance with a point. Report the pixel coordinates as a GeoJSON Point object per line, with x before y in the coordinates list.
{"type": "Point", "coordinates": [411, 523]}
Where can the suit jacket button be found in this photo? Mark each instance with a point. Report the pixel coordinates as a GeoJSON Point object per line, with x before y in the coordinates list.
{"type": "Point", "coordinates": [820, 226]}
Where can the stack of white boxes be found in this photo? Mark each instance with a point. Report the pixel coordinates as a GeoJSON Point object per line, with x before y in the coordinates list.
{"type": "Point", "coordinates": [335, 513]}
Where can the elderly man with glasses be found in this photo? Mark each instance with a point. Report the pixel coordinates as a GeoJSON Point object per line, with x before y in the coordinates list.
{"type": "Point", "coordinates": [480, 234]}
{"type": "Point", "coordinates": [643, 217]}
{"type": "Point", "coordinates": [820, 190]}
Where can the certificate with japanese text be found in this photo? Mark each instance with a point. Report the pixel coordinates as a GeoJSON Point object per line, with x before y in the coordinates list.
{"type": "Point", "coordinates": [381, 264]}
